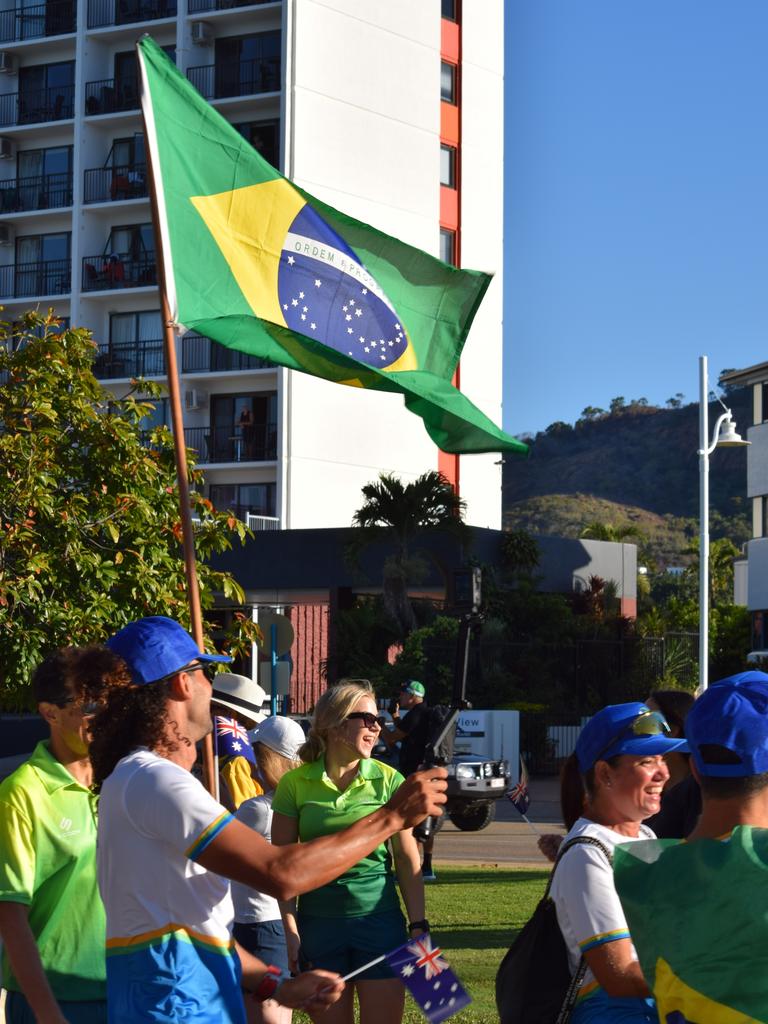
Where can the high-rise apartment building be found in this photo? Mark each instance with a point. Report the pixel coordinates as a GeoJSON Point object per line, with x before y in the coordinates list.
{"type": "Point", "coordinates": [390, 111]}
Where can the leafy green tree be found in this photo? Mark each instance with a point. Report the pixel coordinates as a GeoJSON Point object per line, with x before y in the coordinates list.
{"type": "Point", "coordinates": [400, 514]}
{"type": "Point", "coordinates": [617, 404]}
{"type": "Point", "coordinates": [722, 552]}
{"type": "Point", "coordinates": [90, 534]}
{"type": "Point", "coordinates": [607, 531]}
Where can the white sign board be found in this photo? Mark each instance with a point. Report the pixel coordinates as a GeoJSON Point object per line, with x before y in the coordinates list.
{"type": "Point", "coordinates": [490, 734]}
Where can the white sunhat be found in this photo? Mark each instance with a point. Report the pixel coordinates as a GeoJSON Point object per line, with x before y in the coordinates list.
{"type": "Point", "coordinates": [281, 734]}
{"type": "Point", "coordinates": [240, 694]}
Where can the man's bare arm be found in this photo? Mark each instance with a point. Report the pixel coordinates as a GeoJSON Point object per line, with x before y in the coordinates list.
{"type": "Point", "coordinates": [239, 853]}
{"type": "Point", "coordinates": [25, 962]}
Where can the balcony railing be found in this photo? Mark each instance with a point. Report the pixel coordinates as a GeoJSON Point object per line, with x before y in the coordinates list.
{"type": "Point", "coordinates": [127, 12]}
{"type": "Point", "coordinates": [256, 522]}
{"type": "Point", "coordinates": [111, 95]}
{"type": "Point", "coordinates": [244, 78]}
{"type": "Point", "coordinates": [100, 273]}
{"type": "Point", "coordinates": [37, 106]}
{"type": "Point", "coordinates": [201, 355]}
{"type": "Point", "coordinates": [228, 444]}
{"type": "Point", "coordinates": [106, 184]}
{"type": "Point", "coordinates": [44, 192]}
{"type": "Point", "coordinates": [198, 6]}
{"type": "Point", "coordinates": [130, 359]}
{"type": "Point", "coordinates": [46, 277]}
{"type": "Point", "coordinates": [51, 19]}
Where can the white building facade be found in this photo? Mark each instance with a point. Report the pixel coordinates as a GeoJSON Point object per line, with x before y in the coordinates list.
{"type": "Point", "coordinates": [392, 112]}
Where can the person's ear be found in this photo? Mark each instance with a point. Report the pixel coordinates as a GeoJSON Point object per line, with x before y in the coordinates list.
{"type": "Point", "coordinates": [49, 712]}
{"type": "Point", "coordinates": [180, 685]}
{"type": "Point", "coordinates": [603, 774]}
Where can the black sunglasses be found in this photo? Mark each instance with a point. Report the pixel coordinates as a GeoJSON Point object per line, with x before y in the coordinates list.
{"type": "Point", "coordinates": [84, 707]}
{"type": "Point", "coordinates": [208, 668]}
{"type": "Point", "coordinates": [647, 723]}
{"type": "Point", "coordinates": [371, 721]}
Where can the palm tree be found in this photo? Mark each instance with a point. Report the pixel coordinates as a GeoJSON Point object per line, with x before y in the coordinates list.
{"type": "Point", "coordinates": [401, 513]}
{"type": "Point", "coordinates": [607, 531]}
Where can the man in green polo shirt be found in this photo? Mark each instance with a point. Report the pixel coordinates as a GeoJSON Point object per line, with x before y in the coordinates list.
{"type": "Point", "coordinates": [51, 916]}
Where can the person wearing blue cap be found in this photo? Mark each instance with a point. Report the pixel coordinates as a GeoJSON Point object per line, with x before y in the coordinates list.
{"type": "Point", "coordinates": [611, 783]}
{"type": "Point", "coordinates": [697, 909]}
{"type": "Point", "coordinates": [166, 848]}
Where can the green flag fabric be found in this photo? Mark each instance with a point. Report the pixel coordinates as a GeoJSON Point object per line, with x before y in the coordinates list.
{"type": "Point", "coordinates": [260, 266]}
{"type": "Point", "coordinates": [698, 916]}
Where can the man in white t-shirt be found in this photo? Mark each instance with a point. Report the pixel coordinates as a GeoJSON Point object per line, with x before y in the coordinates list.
{"type": "Point", "coordinates": [166, 847]}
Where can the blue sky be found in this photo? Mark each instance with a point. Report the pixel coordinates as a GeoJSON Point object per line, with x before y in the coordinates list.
{"type": "Point", "coordinates": [636, 200]}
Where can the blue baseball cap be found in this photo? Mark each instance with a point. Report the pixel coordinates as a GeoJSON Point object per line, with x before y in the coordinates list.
{"type": "Point", "coordinates": [156, 647]}
{"type": "Point", "coordinates": [732, 713]}
{"type": "Point", "coordinates": [624, 729]}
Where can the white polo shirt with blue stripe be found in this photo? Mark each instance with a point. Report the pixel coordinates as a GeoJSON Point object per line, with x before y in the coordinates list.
{"type": "Point", "coordinates": [170, 954]}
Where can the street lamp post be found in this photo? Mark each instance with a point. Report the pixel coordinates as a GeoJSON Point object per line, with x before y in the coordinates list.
{"type": "Point", "coordinates": [729, 438]}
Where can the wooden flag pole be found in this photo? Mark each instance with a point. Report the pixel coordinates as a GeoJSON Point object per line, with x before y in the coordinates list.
{"type": "Point", "coordinates": [180, 450]}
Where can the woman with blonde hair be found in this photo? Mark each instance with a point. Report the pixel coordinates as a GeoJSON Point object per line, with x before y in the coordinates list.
{"type": "Point", "coordinates": [357, 917]}
{"type": "Point", "coordinates": [258, 925]}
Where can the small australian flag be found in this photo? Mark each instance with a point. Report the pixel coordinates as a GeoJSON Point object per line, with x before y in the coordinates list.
{"type": "Point", "coordinates": [426, 974]}
{"type": "Point", "coordinates": [519, 794]}
{"type": "Point", "coordinates": [232, 739]}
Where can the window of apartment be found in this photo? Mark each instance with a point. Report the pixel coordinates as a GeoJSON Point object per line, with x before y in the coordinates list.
{"type": "Point", "coordinates": [136, 340]}
{"type": "Point", "coordinates": [244, 427]}
{"type": "Point", "coordinates": [248, 64]}
{"type": "Point", "coordinates": [159, 416]}
{"type": "Point", "coordinates": [256, 499]}
{"type": "Point", "coordinates": [264, 136]}
{"type": "Point", "coordinates": [42, 264]}
{"type": "Point", "coordinates": [44, 178]}
{"type": "Point", "coordinates": [448, 246]}
{"type": "Point", "coordinates": [447, 82]}
{"type": "Point", "coordinates": [449, 9]}
{"type": "Point", "coordinates": [46, 92]}
{"type": "Point", "coordinates": [134, 241]}
{"type": "Point", "coordinates": [448, 166]}
{"type": "Point", "coordinates": [128, 152]}
{"type": "Point", "coordinates": [764, 387]}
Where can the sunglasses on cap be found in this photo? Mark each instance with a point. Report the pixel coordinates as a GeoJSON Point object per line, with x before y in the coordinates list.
{"type": "Point", "coordinates": [371, 721]}
{"type": "Point", "coordinates": [647, 723]}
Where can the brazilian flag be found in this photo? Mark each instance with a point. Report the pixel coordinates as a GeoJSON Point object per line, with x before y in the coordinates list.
{"type": "Point", "coordinates": [257, 264]}
{"type": "Point", "coordinates": [698, 916]}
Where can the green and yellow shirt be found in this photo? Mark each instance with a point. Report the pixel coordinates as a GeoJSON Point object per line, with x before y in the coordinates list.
{"type": "Point", "coordinates": [48, 863]}
{"type": "Point", "coordinates": [309, 795]}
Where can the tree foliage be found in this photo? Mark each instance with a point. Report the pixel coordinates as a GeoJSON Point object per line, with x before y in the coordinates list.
{"type": "Point", "coordinates": [400, 514]}
{"type": "Point", "coordinates": [90, 532]}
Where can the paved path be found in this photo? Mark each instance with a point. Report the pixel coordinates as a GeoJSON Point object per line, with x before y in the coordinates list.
{"type": "Point", "coordinates": [508, 841]}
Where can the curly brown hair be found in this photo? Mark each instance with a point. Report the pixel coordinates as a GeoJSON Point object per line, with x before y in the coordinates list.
{"type": "Point", "coordinates": [130, 717]}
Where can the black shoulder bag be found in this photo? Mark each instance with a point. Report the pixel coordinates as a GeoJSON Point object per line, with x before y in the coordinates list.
{"type": "Point", "coordinates": [534, 984]}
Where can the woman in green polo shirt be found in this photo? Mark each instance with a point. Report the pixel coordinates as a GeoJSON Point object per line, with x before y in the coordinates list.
{"type": "Point", "coordinates": [357, 917]}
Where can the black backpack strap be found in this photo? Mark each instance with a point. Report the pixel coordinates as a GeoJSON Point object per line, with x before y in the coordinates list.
{"type": "Point", "coordinates": [573, 989]}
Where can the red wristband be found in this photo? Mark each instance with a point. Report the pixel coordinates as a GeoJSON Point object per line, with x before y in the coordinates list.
{"type": "Point", "coordinates": [268, 984]}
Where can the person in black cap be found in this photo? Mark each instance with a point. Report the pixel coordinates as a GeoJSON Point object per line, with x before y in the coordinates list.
{"type": "Point", "coordinates": [166, 847]}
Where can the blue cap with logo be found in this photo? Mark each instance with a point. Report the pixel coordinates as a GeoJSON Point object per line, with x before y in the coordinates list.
{"type": "Point", "coordinates": [732, 714]}
{"type": "Point", "coordinates": [624, 729]}
{"type": "Point", "coordinates": [156, 647]}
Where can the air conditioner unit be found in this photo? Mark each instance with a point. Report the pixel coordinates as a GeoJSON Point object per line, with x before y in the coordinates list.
{"type": "Point", "coordinates": [193, 399]}
{"type": "Point", "coordinates": [7, 62]}
{"type": "Point", "coordinates": [6, 234]}
{"type": "Point", "coordinates": [202, 33]}
{"type": "Point", "coordinates": [7, 148]}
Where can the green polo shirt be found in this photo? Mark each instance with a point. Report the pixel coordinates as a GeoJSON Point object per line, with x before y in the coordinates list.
{"type": "Point", "coordinates": [48, 863]}
{"type": "Point", "coordinates": [307, 794]}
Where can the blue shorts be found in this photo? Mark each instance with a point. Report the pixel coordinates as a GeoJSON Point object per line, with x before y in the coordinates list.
{"type": "Point", "coordinates": [601, 1008]}
{"type": "Point", "coordinates": [343, 944]}
{"type": "Point", "coordinates": [266, 940]}
{"type": "Point", "coordinates": [18, 1010]}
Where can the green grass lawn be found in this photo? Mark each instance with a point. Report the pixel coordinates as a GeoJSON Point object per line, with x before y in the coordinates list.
{"type": "Point", "coordinates": [475, 914]}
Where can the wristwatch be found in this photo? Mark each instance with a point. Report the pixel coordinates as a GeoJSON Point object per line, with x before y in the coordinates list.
{"type": "Point", "coordinates": [423, 925]}
{"type": "Point", "coordinates": [269, 984]}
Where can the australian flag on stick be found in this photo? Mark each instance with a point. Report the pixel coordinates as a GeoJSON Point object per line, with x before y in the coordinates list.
{"type": "Point", "coordinates": [519, 794]}
{"type": "Point", "coordinates": [426, 974]}
{"type": "Point", "coordinates": [232, 739]}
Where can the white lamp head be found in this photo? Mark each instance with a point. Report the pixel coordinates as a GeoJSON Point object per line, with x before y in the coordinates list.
{"type": "Point", "coordinates": [729, 436]}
